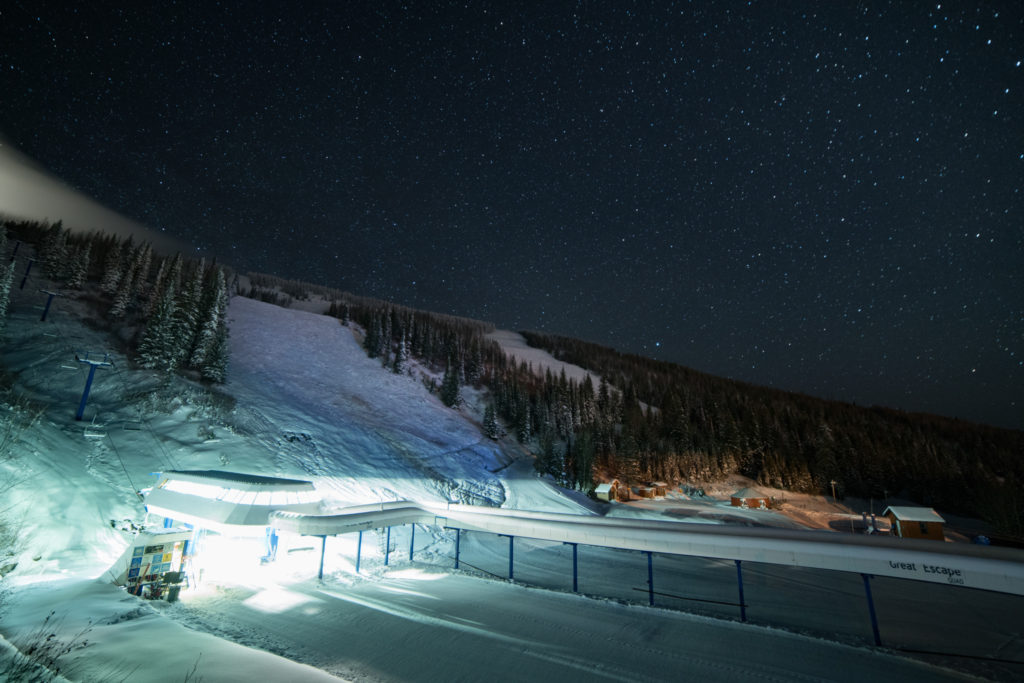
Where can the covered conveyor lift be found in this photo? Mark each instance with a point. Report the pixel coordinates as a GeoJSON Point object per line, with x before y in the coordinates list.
{"type": "Point", "coordinates": [983, 567]}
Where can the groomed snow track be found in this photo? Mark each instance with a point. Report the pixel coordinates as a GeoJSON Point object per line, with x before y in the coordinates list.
{"type": "Point", "coordinates": [983, 567]}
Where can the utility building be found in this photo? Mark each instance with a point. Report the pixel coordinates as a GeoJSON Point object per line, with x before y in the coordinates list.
{"type": "Point", "coordinates": [751, 498]}
{"type": "Point", "coordinates": [915, 522]}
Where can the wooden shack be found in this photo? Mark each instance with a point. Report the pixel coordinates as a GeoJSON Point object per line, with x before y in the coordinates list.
{"type": "Point", "coordinates": [751, 498]}
{"type": "Point", "coordinates": [915, 522]}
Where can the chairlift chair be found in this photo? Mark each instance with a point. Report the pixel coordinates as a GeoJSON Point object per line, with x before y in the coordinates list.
{"type": "Point", "coordinates": [95, 431]}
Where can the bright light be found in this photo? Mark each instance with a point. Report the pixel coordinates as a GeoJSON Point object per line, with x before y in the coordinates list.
{"type": "Point", "coordinates": [275, 600]}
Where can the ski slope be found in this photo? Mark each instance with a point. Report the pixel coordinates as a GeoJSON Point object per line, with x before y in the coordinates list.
{"type": "Point", "coordinates": [303, 401]}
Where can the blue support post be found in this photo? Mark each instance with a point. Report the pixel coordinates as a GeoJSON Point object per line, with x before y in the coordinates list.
{"type": "Point", "coordinates": [511, 576]}
{"type": "Point", "coordinates": [387, 547]}
{"type": "Point", "coordinates": [871, 609]}
{"type": "Point", "coordinates": [49, 300]}
{"type": "Point", "coordinates": [27, 271]}
{"type": "Point", "coordinates": [575, 584]}
{"type": "Point", "coordinates": [85, 394]}
{"type": "Point", "coordinates": [650, 577]}
{"type": "Point", "coordinates": [458, 539]}
{"type": "Point", "coordinates": [359, 550]}
{"type": "Point", "coordinates": [93, 364]}
{"type": "Point", "coordinates": [739, 580]}
{"type": "Point", "coordinates": [168, 522]}
{"type": "Point", "coordinates": [323, 549]}
{"type": "Point", "coordinates": [412, 542]}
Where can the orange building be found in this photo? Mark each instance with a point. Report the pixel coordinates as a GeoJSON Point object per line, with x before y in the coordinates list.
{"type": "Point", "coordinates": [915, 522]}
{"type": "Point", "coordinates": [751, 498]}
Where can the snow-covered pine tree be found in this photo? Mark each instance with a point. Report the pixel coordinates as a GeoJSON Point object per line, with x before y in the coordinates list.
{"type": "Point", "coordinates": [124, 294]}
{"type": "Point", "coordinates": [158, 346]}
{"type": "Point", "coordinates": [79, 266]}
{"type": "Point", "coordinates": [215, 367]}
{"type": "Point", "coordinates": [385, 339]}
{"type": "Point", "coordinates": [449, 392]}
{"type": "Point", "coordinates": [372, 336]}
{"type": "Point", "coordinates": [53, 251]}
{"type": "Point", "coordinates": [491, 429]}
{"type": "Point", "coordinates": [112, 271]}
{"type": "Point", "coordinates": [158, 287]}
{"type": "Point", "coordinates": [398, 363]}
{"type": "Point", "coordinates": [187, 313]}
{"type": "Point", "coordinates": [6, 278]}
{"type": "Point", "coordinates": [212, 311]}
{"type": "Point", "coordinates": [143, 263]}
{"type": "Point", "coordinates": [475, 363]}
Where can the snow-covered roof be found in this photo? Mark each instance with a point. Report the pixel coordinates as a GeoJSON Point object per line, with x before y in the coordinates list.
{"type": "Point", "coordinates": [603, 488]}
{"type": "Point", "coordinates": [750, 493]}
{"type": "Point", "coordinates": [223, 501]}
{"type": "Point", "coordinates": [910, 513]}
{"type": "Point", "coordinates": [240, 480]}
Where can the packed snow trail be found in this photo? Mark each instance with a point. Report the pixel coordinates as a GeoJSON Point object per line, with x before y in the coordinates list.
{"type": "Point", "coordinates": [309, 393]}
{"type": "Point", "coordinates": [425, 624]}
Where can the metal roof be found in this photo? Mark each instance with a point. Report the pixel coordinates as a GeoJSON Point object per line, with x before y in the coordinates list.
{"type": "Point", "coordinates": [750, 493]}
{"type": "Point", "coordinates": [910, 513]}
{"type": "Point", "coordinates": [239, 480]}
{"type": "Point", "coordinates": [224, 501]}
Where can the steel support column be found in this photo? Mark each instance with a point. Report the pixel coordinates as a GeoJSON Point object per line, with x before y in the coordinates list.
{"type": "Point", "coordinates": [511, 576]}
{"type": "Point", "coordinates": [323, 549]}
{"type": "Point", "coordinates": [739, 581]}
{"type": "Point", "coordinates": [575, 573]}
{"type": "Point", "coordinates": [871, 609]}
{"type": "Point", "coordinates": [650, 577]}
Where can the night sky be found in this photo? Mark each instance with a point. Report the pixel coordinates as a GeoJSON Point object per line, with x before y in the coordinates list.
{"type": "Point", "coordinates": [823, 197]}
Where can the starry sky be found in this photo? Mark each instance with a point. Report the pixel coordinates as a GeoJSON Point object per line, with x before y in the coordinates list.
{"type": "Point", "coordinates": [820, 197]}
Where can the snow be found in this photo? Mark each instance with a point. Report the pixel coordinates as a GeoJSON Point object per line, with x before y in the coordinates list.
{"type": "Point", "coordinates": [515, 345]}
{"type": "Point", "coordinates": [303, 401]}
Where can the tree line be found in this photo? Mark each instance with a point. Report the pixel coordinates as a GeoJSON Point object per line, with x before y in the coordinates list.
{"type": "Point", "coordinates": [170, 310]}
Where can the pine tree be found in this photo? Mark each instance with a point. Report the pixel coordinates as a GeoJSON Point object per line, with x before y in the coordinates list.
{"type": "Point", "coordinates": [111, 271]}
{"type": "Point", "coordinates": [124, 294]}
{"type": "Point", "coordinates": [450, 386]}
{"type": "Point", "coordinates": [6, 278]}
{"type": "Point", "coordinates": [158, 347]}
{"type": "Point", "coordinates": [54, 251]}
{"type": "Point", "coordinates": [158, 287]}
{"type": "Point", "coordinates": [79, 266]}
{"type": "Point", "coordinates": [398, 363]}
{"type": "Point", "coordinates": [214, 306]}
{"type": "Point", "coordinates": [491, 428]}
{"type": "Point", "coordinates": [215, 366]}
{"type": "Point", "coordinates": [186, 315]}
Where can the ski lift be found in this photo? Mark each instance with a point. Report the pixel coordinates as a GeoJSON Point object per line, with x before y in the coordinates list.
{"type": "Point", "coordinates": [95, 431]}
{"type": "Point", "coordinates": [132, 425]}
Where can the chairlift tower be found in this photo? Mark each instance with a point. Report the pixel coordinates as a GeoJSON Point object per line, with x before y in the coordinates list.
{"type": "Point", "coordinates": [93, 364]}
{"type": "Point", "coordinates": [49, 300]}
{"type": "Point", "coordinates": [28, 269]}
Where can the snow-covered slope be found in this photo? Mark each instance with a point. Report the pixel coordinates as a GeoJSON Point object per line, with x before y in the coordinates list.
{"type": "Point", "coordinates": [302, 400]}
